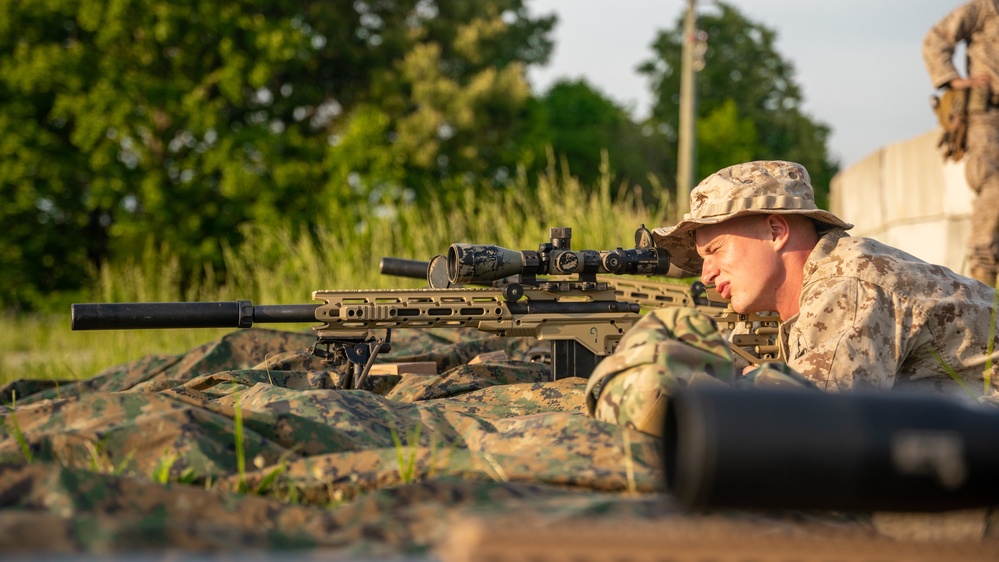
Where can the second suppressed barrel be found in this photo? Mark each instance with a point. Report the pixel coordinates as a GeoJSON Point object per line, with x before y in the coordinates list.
{"type": "Point", "coordinates": [401, 267]}
{"type": "Point", "coordinates": [151, 315]}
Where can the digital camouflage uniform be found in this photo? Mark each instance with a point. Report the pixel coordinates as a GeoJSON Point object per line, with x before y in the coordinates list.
{"type": "Point", "coordinates": [874, 317]}
{"type": "Point", "coordinates": [668, 348]}
{"type": "Point", "coordinates": [871, 316]}
{"type": "Point", "coordinates": [976, 24]}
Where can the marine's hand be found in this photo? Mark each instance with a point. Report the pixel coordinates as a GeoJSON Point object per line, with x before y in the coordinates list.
{"type": "Point", "coordinates": [977, 81]}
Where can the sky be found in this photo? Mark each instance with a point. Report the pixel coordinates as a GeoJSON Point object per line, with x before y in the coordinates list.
{"type": "Point", "coordinates": [858, 62]}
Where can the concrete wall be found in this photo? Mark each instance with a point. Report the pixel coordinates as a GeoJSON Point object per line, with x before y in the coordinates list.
{"type": "Point", "coordinates": [904, 195]}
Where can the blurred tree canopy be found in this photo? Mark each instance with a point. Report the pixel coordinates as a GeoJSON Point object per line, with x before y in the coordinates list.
{"type": "Point", "coordinates": [748, 102]}
{"type": "Point", "coordinates": [130, 124]}
{"type": "Point", "coordinates": [183, 120]}
{"type": "Point", "coordinates": [582, 124]}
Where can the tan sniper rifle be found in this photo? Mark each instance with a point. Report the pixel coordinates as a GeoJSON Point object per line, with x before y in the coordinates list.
{"type": "Point", "coordinates": [751, 336]}
{"type": "Point", "coordinates": [570, 307]}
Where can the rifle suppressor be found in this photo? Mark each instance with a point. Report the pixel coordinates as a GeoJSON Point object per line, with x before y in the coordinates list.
{"type": "Point", "coordinates": [151, 315]}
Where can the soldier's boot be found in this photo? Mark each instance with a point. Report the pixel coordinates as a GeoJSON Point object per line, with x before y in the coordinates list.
{"type": "Point", "coordinates": [985, 275]}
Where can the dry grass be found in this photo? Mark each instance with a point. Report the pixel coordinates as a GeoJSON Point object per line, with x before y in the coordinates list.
{"type": "Point", "coordinates": [277, 267]}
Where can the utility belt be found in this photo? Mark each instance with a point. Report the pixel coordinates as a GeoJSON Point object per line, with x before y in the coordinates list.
{"type": "Point", "coordinates": [980, 100]}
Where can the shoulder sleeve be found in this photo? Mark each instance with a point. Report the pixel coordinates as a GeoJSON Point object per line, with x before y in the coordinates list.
{"type": "Point", "coordinates": [941, 40]}
{"type": "Point", "coordinates": [845, 336]}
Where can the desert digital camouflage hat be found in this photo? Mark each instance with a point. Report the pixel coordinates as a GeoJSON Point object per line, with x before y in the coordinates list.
{"type": "Point", "coordinates": [761, 187]}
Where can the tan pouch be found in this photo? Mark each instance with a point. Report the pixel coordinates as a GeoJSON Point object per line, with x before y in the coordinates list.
{"type": "Point", "coordinates": [951, 109]}
{"type": "Point", "coordinates": [950, 103]}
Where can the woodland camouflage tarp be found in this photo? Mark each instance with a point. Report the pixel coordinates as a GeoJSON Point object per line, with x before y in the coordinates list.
{"type": "Point", "coordinates": [488, 460]}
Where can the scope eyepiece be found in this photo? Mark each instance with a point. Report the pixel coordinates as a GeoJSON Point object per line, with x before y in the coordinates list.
{"type": "Point", "coordinates": [644, 261]}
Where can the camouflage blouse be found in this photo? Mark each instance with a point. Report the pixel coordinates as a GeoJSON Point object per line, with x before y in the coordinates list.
{"type": "Point", "coordinates": [874, 317]}
{"type": "Point", "coordinates": [977, 24]}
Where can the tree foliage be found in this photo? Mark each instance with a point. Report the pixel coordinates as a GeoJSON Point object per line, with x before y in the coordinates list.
{"type": "Point", "coordinates": [585, 128]}
{"type": "Point", "coordinates": [144, 127]}
{"type": "Point", "coordinates": [185, 120]}
{"type": "Point", "coordinates": [749, 105]}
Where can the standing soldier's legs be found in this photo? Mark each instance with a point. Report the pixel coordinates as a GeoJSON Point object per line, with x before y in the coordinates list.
{"type": "Point", "coordinates": [982, 173]}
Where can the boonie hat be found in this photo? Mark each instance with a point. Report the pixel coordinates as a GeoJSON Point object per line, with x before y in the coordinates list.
{"type": "Point", "coordinates": [764, 187]}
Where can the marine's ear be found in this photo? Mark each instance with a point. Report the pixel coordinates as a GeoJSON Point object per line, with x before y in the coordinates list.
{"type": "Point", "coordinates": [780, 230]}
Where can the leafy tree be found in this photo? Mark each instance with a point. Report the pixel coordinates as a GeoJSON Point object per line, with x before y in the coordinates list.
{"type": "Point", "coordinates": [748, 102]}
{"type": "Point", "coordinates": [581, 124]}
{"type": "Point", "coordinates": [182, 121]}
{"type": "Point", "coordinates": [723, 138]}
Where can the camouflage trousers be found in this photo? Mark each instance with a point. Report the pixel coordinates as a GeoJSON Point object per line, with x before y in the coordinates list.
{"type": "Point", "coordinates": [670, 348]}
{"type": "Point", "coordinates": [982, 174]}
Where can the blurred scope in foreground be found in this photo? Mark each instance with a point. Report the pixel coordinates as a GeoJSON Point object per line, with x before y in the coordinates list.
{"type": "Point", "coordinates": [801, 449]}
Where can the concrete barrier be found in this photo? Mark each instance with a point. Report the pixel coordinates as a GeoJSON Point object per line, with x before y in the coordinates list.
{"type": "Point", "coordinates": [904, 195]}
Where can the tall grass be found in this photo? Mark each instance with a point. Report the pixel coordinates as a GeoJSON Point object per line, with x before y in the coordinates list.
{"type": "Point", "coordinates": [278, 266]}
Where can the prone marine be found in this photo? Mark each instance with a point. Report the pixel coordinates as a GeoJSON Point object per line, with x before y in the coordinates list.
{"type": "Point", "coordinates": [856, 314]}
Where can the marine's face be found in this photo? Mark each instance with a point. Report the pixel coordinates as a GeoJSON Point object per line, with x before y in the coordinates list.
{"type": "Point", "coordinates": [740, 260]}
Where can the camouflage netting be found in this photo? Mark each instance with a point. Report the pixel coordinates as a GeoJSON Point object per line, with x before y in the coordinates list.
{"type": "Point", "coordinates": [144, 456]}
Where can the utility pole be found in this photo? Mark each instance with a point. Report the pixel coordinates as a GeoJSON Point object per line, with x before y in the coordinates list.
{"type": "Point", "coordinates": [687, 145]}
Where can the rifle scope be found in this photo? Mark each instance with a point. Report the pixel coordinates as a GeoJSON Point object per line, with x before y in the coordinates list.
{"type": "Point", "coordinates": [479, 263]}
{"type": "Point", "coordinates": [800, 449]}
